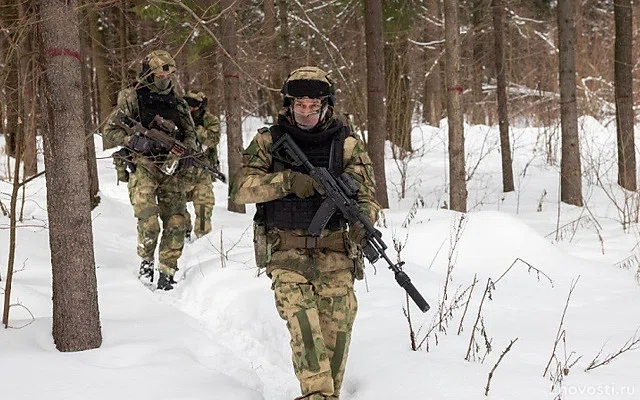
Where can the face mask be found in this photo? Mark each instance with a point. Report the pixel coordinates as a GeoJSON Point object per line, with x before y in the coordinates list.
{"type": "Point", "coordinates": [162, 84]}
{"type": "Point", "coordinates": [307, 120]}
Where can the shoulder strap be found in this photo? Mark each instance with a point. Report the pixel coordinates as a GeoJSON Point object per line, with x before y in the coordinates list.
{"type": "Point", "coordinates": [276, 133]}
{"type": "Point", "coordinates": [337, 151]}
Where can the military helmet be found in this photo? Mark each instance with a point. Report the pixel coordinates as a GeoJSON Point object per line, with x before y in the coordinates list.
{"type": "Point", "coordinates": [311, 82]}
{"type": "Point", "coordinates": [197, 96]}
{"type": "Point", "coordinates": [158, 60]}
{"type": "Point", "coordinates": [196, 99]}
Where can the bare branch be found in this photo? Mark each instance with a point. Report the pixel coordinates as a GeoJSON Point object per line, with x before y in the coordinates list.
{"type": "Point", "coordinates": [560, 332]}
{"type": "Point", "coordinates": [486, 389]}
{"type": "Point", "coordinates": [631, 344]}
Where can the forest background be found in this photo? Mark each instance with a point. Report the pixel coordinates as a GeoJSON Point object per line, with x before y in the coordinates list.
{"type": "Point", "coordinates": [66, 59]}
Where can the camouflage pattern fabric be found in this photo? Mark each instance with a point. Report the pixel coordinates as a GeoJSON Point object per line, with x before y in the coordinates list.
{"type": "Point", "coordinates": [209, 133]}
{"type": "Point", "coordinates": [319, 315]}
{"type": "Point", "coordinates": [151, 192]}
{"type": "Point", "coordinates": [313, 287]}
{"type": "Point", "coordinates": [154, 194]}
{"type": "Point", "coordinates": [128, 104]}
{"type": "Point", "coordinates": [199, 190]}
{"type": "Point", "coordinates": [198, 183]}
{"type": "Point", "coordinates": [255, 184]}
{"type": "Point", "coordinates": [157, 59]}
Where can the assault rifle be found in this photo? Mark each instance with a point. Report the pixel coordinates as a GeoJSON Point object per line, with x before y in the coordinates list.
{"type": "Point", "coordinates": [340, 196]}
{"type": "Point", "coordinates": [167, 142]}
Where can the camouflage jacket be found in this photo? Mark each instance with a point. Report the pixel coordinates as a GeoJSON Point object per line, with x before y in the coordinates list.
{"type": "Point", "coordinates": [208, 134]}
{"type": "Point", "coordinates": [128, 103]}
{"type": "Point", "coordinates": [255, 184]}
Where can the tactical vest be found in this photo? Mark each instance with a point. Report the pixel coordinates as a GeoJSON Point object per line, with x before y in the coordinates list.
{"type": "Point", "coordinates": [151, 104]}
{"type": "Point", "coordinates": [292, 212]}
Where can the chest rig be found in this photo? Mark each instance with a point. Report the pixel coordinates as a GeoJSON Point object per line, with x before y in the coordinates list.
{"type": "Point", "coordinates": [151, 104]}
{"type": "Point", "coordinates": [292, 212]}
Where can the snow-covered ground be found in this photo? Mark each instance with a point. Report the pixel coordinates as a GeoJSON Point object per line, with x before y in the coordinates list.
{"type": "Point", "coordinates": [218, 335]}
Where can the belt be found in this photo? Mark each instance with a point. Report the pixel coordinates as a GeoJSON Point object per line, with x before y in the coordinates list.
{"type": "Point", "coordinates": [334, 242]}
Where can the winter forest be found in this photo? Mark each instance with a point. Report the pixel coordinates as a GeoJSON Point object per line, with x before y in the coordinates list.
{"type": "Point", "coordinates": [502, 135]}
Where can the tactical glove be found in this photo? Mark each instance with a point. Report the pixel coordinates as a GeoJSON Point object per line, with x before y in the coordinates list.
{"type": "Point", "coordinates": [303, 185]}
{"type": "Point", "coordinates": [357, 233]}
{"type": "Point", "coordinates": [140, 144]}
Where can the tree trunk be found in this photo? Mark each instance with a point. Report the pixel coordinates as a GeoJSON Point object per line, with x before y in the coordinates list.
{"type": "Point", "coordinates": [232, 96]}
{"type": "Point", "coordinates": [76, 317]}
{"type": "Point", "coordinates": [432, 97]}
{"type": "Point", "coordinates": [624, 94]}
{"type": "Point", "coordinates": [477, 66]}
{"type": "Point", "coordinates": [11, 97]}
{"type": "Point", "coordinates": [106, 100]}
{"type": "Point", "coordinates": [570, 170]}
{"type": "Point", "coordinates": [124, 44]}
{"type": "Point", "coordinates": [285, 38]}
{"type": "Point", "coordinates": [29, 155]}
{"type": "Point", "coordinates": [497, 8]}
{"type": "Point", "coordinates": [92, 165]}
{"type": "Point", "coordinates": [281, 46]}
{"type": "Point", "coordinates": [458, 185]}
{"type": "Point", "coordinates": [399, 106]}
{"type": "Point", "coordinates": [375, 96]}
{"type": "Point", "coordinates": [273, 98]}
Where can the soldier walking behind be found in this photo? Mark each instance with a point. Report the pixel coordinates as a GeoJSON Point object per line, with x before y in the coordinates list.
{"type": "Point", "coordinates": [312, 277]}
{"type": "Point", "coordinates": [199, 185]}
{"type": "Point", "coordinates": [155, 186]}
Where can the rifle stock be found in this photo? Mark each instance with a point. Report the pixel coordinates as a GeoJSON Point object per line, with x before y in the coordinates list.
{"type": "Point", "coordinates": [340, 195]}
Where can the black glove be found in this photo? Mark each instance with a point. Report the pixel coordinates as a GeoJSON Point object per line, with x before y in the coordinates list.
{"type": "Point", "coordinates": [140, 144]}
{"type": "Point", "coordinates": [303, 185]}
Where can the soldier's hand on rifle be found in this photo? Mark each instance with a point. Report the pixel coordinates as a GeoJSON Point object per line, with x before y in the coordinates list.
{"type": "Point", "coordinates": [303, 185]}
{"type": "Point", "coordinates": [140, 144]}
{"type": "Point", "coordinates": [357, 233]}
{"type": "Point", "coordinates": [144, 145]}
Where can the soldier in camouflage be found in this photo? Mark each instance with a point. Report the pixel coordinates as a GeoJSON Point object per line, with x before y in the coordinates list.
{"type": "Point", "coordinates": [199, 185]}
{"type": "Point", "coordinates": [312, 277]}
{"type": "Point", "coordinates": [155, 187]}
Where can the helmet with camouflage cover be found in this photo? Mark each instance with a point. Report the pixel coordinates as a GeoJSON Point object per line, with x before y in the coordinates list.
{"type": "Point", "coordinates": [158, 61]}
{"type": "Point", "coordinates": [196, 99]}
{"type": "Point", "coordinates": [311, 82]}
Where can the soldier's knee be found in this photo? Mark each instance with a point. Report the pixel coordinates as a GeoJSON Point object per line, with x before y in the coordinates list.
{"type": "Point", "coordinates": [175, 222]}
{"type": "Point", "coordinates": [149, 225]}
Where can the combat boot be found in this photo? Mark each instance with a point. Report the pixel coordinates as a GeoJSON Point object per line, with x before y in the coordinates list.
{"type": "Point", "coordinates": [165, 282]}
{"type": "Point", "coordinates": [146, 270]}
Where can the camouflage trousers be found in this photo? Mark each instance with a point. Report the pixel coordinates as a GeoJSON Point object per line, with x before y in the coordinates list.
{"type": "Point", "coordinates": [154, 194]}
{"type": "Point", "coordinates": [319, 313]}
{"type": "Point", "coordinates": [199, 190]}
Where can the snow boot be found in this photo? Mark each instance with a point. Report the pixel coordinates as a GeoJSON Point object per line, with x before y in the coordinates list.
{"type": "Point", "coordinates": [146, 271]}
{"type": "Point", "coordinates": [165, 282]}
{"type": "Point", "coordinates": [187, 237]}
